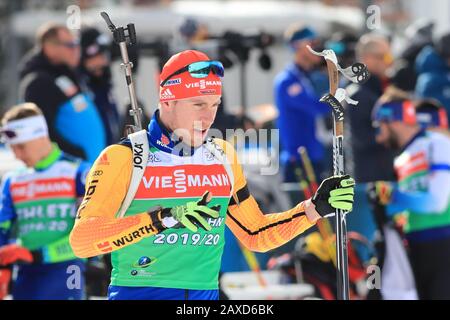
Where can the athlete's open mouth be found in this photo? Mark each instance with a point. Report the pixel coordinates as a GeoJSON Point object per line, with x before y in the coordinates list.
{"type": "Point", "coordinates": [200, 130]}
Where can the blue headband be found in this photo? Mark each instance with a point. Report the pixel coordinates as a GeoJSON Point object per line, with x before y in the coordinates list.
{"type": "Point", "coordinates": [394, 111]}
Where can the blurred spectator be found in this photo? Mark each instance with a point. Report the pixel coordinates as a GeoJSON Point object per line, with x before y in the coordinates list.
{"type": "Point", "coordinates": [433, 67]}
{"type": "Point", "coordinates": [37, 210]}
{"type": "Point", "coordinates": [365, 159]}
{"type": "Point", "coordinates": [298, 104]}
{"type": "Point", "coordinates": [193, 34]}
{"type": "Point", "coordinates": [48, 79]}
{"type": "Point", "coordinates": [422, 192]}
{"type": "Point", "coordinates": [370, 161]}
{"type": "Point", "coordinates": [95, 67]}
{"type": "Point", "coordinates": [343, 44]}
{"type": "Point", "coordinates": [418, 36]}
{"type": "Point", "coordinates": [193, 31]}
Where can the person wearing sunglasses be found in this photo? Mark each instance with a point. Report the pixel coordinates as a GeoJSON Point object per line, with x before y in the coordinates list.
{"type": "Point", "coordinates": [37, 210]}
{"type": "Point", "coordinates": [159, 200]}
{"type": "Point", "coordinates": [375, 52]}
{"type": "Point", "coordinates": [50, 79]}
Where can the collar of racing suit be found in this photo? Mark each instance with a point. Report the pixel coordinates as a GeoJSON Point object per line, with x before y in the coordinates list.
{"type": "Point", "coordinates": [50, 159]}
{"type": "Point", "coordinates": [165, 140]}
{"type": "Point", "coordinates": [420, 133]}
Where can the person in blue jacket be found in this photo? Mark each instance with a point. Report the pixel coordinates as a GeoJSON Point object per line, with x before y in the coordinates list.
{"type": "Point", "coordinates": [49, 79]}
{"type": "Point", "coordinates": [298, 104]}
{"type": "Point", "coordinates": [37, 211]}
{"type": "Point", "coordinates": [433, 67]}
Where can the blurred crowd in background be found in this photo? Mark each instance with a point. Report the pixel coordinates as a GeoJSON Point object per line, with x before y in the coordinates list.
{"type": "Point", "coordinates": [70, 76]}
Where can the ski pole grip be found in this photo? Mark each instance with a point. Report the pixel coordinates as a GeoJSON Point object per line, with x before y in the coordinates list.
{"type": "Point", "coordinates": [131, 33]}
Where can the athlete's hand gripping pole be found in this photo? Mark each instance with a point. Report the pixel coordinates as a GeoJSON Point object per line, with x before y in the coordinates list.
{"type": "Point", "coordinates": [356, 73]}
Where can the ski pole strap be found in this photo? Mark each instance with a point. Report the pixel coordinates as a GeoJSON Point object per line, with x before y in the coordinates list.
{"type": "Point", "coordinates": [356, 73]}
{"type": "Point", "coordinates": [219, 154]}
{"type": "Point", "coordinates": [140, 149]}
{"type": "Point", "coordinates": [241, 195]}
{"type": "Point", "coordinates": [335, 105]}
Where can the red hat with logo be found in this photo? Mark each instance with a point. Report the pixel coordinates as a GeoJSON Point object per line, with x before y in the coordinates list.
{"type": "Point", "coordinates": [178, 85]}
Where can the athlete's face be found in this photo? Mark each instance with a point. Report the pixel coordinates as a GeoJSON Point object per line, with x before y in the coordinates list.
{"type": "Point", "coordinates": [31, 152]}
{"type": "Point", "coordinates": [387, 136]}
{"type": "Point", "coordinates": [191, 118]}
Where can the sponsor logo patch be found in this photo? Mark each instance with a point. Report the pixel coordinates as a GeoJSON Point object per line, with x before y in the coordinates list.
{"type": "Point", "coordinates": [209, 91]}
{"type": "Point", "coordinates": [103, 160]}
{"type": "Point", "coordinates": [144, 262]}
{"type": "Point", "coordinates": [38, 189]}
{"type": "Point", "coordinates": [202, 84]}
{"type": "Point", "coordinates": [165, 140]}
{"type": "Point", "coordinates": [167, 94]}
{"type": "Point", "coordinates": [294, 89]}
{"type": "Point", "coordinates": [183, 181]}
{"type": "Point", "coordinates": [66, 85]}
{"type": "Point", "coordinates": [79, 103]}
{"type": "Point", "coordinates": [172, 82]}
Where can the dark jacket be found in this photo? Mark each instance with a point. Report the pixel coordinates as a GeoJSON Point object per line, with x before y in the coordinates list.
{"type": "Point", "coordinates": [404, 68]}
{"type": "Point", "coordinates": [101, 89]}
{"type": "Point", "coordinates": [371, 161]}
{"type": "Point", "coordinates": [72, 118]}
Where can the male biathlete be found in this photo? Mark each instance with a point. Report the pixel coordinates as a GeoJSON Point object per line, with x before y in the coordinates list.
{"type": "Point", "coordinates": [159, 201]}
{"type": "Point", "coordinates": [38, 205]}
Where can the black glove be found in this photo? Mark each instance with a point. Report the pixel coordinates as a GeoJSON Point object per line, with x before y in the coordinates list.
{"type": "Point", "coordinates": [334, 193]}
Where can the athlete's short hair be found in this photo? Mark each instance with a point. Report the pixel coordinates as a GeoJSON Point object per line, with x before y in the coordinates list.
{"type": "Point", "coordinates": [21, 111]}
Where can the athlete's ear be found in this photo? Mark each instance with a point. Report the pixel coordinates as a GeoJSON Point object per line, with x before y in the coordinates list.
{"type": "Point", "coordinates": [167, 106]}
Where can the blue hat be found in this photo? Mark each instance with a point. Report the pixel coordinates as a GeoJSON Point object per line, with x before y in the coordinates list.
{"type": "Point", "coordinates": [300, 34]}
{"type": "Point", "coordinates": [189, 27]}
{"type": "Point", "coordinates": [395, 111]}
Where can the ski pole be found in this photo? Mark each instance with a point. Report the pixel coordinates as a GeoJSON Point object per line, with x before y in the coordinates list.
{"type": "Point", "coordinates": [308, 168]}
{"type": "Point", "coordinates": [303, 183]}
{"type": "Point", "coordinates": [253, 264]}
{"type": "Point", "coordinates": [356, 73]}
{"type": "Point", "coordinates": [123, 39]}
